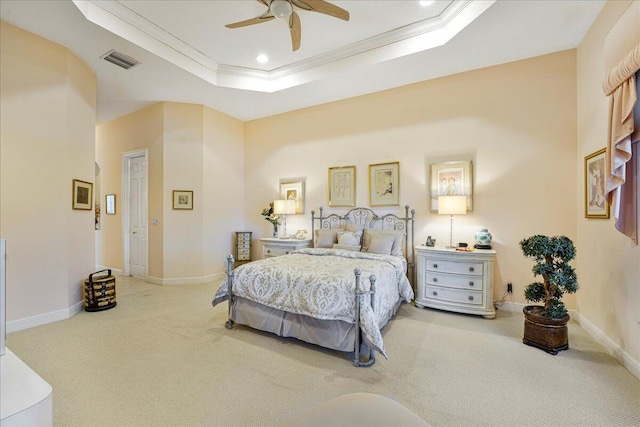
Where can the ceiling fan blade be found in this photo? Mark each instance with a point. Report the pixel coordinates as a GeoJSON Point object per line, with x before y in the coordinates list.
{"type": "Point", "coordinates": [324, 7]}
{"type": "Point", "coordinates": [265, 17]}
{"type": "Point", "coordinates": [296, 30]}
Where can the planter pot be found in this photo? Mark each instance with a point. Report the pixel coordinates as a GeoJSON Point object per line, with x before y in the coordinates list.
{"type": "Point", "coordinates": [544, 333]}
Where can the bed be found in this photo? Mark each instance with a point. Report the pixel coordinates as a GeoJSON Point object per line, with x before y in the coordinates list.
{"type": "Point", "coordinates": [338, 294]}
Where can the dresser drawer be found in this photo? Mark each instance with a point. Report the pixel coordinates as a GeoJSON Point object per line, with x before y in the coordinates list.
{"type": "Point", "coordinates": [244, 239]}
{"type": "Point", "coordinates": [472, 283]}
{"type": "Point", "coordinates": [270, 251]}
{"type": "Point", "coordinates": [454, 295]}
{"type": "Point", "coordinates": [469, 268]}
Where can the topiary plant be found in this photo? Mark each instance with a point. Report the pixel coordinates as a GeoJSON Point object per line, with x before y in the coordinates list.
{"type": "Point", "coordinates": [551, 255]}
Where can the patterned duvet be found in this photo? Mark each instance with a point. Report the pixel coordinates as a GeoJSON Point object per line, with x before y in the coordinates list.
{"type": "Point", "coordinates": [320, 283]}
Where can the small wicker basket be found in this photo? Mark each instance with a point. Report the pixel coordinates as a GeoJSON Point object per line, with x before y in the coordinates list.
{"type": "Point", "coordinates": [100, 293]}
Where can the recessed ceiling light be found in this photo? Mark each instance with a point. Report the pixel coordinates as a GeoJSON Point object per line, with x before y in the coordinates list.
{"type": "Point", "coordinates": [426, 2]}
{"type": "Point", "coordinates": [263, 59]}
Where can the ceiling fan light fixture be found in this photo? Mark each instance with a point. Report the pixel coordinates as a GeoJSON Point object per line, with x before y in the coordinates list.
{"type": "Point", "coordinates": [281, 8]}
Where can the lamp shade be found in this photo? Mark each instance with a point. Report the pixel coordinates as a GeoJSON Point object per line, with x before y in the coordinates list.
{"type": "Point", "coordinates": [284, 207]}
{"type": "Point", "coordinates": [452, 205]}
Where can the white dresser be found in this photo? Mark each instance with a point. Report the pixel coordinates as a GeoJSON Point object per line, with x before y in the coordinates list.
{"type": "Point", "coordinates": [455, 280]}
{"type": "Point", "coordinates": [275, 247]}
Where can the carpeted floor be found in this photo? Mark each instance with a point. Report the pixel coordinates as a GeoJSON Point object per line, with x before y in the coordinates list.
{"type": "Point", "coordinates": [163, 357]}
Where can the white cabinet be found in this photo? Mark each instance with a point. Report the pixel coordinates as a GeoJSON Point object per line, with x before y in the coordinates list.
{"type": "Point", "coordinates": [455, 280]}
{"type": "Point", "coordinates": [275, 247]}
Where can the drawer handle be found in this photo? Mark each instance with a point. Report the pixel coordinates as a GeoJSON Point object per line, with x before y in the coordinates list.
{"type": "Point", "coordinates": [471, 283]}
{"type": "Point", "coordinates": [435, 279]}
{"type": "Point", "coordinates": [435, 293]}
{"type": "Point", "coordinates": [288, 252]}
{"type": "Point", "coordinates": [471, 269]}
{"type": "Point", "coordinates": [435, 265]}
{"type": "Point", "coordinates": [268, 251]}
{"type": "Point", "coordinates": [470, 298]}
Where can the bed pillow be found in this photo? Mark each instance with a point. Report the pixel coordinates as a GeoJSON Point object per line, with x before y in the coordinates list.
{"type": "Point", "coordinates": [325, 238]}
{"type": "Point", "coordinates": [351, 238]}
{"type": "Point", "coordinates": [398, 241]}
{"type": "Point", "coordinates": [380, 244]}
{"type": "Point", "coordinates": [353, 227]}
{"type": "Point", "coordinates": [355, 248]}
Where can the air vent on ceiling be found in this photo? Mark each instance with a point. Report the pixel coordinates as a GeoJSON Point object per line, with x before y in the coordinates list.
{"type": "Point", "coordinates": [120, 59]}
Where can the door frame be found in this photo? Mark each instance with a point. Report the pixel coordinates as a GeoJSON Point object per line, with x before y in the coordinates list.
{"type": "Point", "coordinates": [126, 207]}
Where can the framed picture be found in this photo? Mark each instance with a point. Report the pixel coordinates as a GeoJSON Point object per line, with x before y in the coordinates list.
{"type": "Point", "coordinates": [82, 195]}
{"type": "Point", "coordinates": [451, 179]}
{"type": "Point", "coordinates": [293, 189]}
{"type": "Point", "coordinates": [595, 201]}
{"type": "Point", "coordinates": [384, 184]}
{"type": "Point", "coordinates": [183, 199]}
{"type": "Point", "coordinates": [110, 202]}
{"type": "Point", "coordinates": [342, 186]}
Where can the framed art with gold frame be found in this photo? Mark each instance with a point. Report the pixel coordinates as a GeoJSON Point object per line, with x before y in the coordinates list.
{"type": "Point", "coordinates": [384, 184]}
{"type": "Point", "coordinates": [595, 201]}
{"type": "Point", "coordinates": [182, 199]}
{"type": "Point", "coordinates": [342, 186]}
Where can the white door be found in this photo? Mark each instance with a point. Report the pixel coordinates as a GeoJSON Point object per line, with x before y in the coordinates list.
{"type": "Point", "coordinates": [138, 216]}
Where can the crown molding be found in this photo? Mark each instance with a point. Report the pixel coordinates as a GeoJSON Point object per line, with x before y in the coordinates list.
{"type": "Point", "coordinates": [407, 40]}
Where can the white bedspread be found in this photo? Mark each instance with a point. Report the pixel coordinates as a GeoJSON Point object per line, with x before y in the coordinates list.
{"type": "Point", "coordinates": [320, 283]}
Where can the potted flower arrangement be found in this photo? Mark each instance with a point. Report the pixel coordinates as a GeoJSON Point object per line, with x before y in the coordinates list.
{"type": "Point", "coordinates": [545, 326]}
{"type": "Point", "coordinates": [273, 218]}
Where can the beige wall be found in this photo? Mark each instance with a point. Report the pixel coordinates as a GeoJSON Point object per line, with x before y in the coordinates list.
{"type": "Point", "coordinates": [516, 122]}
{"type": "Point", "coordinates": [136, 131]}
{"type": "Point", "coordinates": [191, 147]}
{"type": "Point", "coordinates": [608, 262]}
{"type": "Point", "coordinates": [47, 139]}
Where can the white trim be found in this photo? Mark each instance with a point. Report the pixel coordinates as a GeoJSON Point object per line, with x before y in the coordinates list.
{"type": "Point", "coordinates": [43, 319]}
{"type": "Point", "coordinates": [612, 348]}
{"type": "Point", "coordinates": [186, 280]}
{"type": "Point", "coordinates": [126, 157]}
{"type": "Point", "coordinates": [114, 271]}
{"type": "Point", "coordinates": [417, 37]}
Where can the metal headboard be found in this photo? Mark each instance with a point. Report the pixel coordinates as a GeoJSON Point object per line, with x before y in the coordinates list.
{"type": "Point", "coordinates": [366, 218]}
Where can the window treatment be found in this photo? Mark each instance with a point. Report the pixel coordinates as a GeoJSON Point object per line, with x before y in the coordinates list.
{"type": "Point", "coordinates": [620, 87]}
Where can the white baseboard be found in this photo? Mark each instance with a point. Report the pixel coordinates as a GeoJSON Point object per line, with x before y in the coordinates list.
{"type": "Point", "coordinates": [612, 348]}
{"type": "Point", "coordinates": [43, 319]}
{"type": "Point", "coordinates": [114, 271]}
{"type": "Point", "coordinates": [186, 280]}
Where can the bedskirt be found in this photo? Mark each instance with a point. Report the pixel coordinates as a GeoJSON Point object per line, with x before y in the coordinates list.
{"type": "Point", "coordinates": [333, 334]}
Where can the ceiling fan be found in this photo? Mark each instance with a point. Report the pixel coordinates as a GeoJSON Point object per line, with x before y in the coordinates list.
{"type": "Point", "coordinates": [285, 9]}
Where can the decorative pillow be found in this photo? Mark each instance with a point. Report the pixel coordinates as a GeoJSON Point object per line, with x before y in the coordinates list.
{"type": "Point", "coordinates": [349, 237]}
{"type": "Point", "coordinates": [398, 242]}
{"type": "Point", "coordinates": [353, 227]}
{"type": "Point", "coordinates": [355, 248]}
{"type": "Point", "coordinates": [381, 244]}
{"type": "Point", "coordinates": [325, 238]}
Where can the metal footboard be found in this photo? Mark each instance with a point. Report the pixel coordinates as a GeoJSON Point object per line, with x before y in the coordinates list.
{"type": "Point", "coordinates": [358, 293]}
{"type": "Point", "coordinates": [230, 262]}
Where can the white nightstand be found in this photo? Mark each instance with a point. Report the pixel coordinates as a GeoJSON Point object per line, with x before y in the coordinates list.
{"type": "Point", "coordinates": [275, 247]}
{"type": "Point", "coordinates": [455, 280]}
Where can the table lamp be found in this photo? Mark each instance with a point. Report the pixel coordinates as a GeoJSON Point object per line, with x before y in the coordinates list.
{"type": "Point", "coordinates": [452, 205]}
{"type": "Point", "coordinates": [284, 208]}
